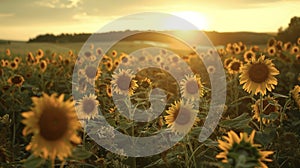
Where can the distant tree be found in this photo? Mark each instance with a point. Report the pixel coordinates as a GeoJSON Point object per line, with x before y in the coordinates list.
{"type": "Point", "coordinates": [292, 32]}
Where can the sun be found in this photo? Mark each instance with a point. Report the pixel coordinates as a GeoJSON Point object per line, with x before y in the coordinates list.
{"type": "Point", "coordinates": [196, 18]}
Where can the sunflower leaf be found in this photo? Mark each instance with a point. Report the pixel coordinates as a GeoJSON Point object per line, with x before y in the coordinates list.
{"type": "Point", "coordinates": [80, 154]}
{"type": "Point", "coordinates": [239, 122]}
{"type": "Point", "coordinates": [33, 161]}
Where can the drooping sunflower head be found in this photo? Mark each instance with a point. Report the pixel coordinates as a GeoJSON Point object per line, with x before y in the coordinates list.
{"type": "Point", "coordinates": [270, 107]}
{"type": "Point", "coordinates": [181, 117]}
{"type": "Point", "coordinates": [235, 66]}
{"type": "Point", "coordinates": [257, 76]}
{"type": "Point", "coordinates": [16, 80]}
{"type": "Point", "coordinates": [191, 87]}
{"type": "Point", "coordinates": [249, 55]}
{"type": "Point", "coordinates": [241, 150]}
{"type": "Point", "coordinates": [296, 94]}
{"type": "Point", "coordinates": [87, 107]}
{"type": "Point", "coordinates": [123, 82]}
{"type": "Point", "coordinates": [53, 123]}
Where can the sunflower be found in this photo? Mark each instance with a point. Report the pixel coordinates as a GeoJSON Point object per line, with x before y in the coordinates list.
{"type": "Point", "coordinates": [249, 55]}
{"type": "Point", "coordinates": [270, 106]}
{"type": "Point", "coordinates": [122, 82]}
{"type": "Point", "coordinates": [211, 69]}
{"type": "Point", "coordinates": [241, 149]}
{"type": "Point", "coordinates": [114, 53]}
{"type": "Point", "coordinates": [181, 117]}
{"type": "Point", "coordinates": [271, 51]}
{"type": "Point", "coordinates": [108, 91]}
{"type": "Point", "coordinates": [271, 42]}
{"type": "Point", "coordinates": [53, 123]}
{"type": "Point", "coordinates": [87, 107]}
{"type": "Point", "coordinates": [17, 59]}
{"type": "Point", "coordinates": [125, 59]}
{"type": "Point", "coordinates": [13, 65]}
{"type": "Point", "coordinates": [30, 58]}
{"type": "Point", "coordinates": [43, 65]}
{"type": "Point", "coordinates": [296, 94]}
{"type": "Point", "coordinates": [235, 66]}
{"type": "Point", "coordinates": [227, 61]}
{"type": "Point", "coordinates": [294, 50]}
{"type": "Point", "coordinates": [99, 51]}
{"type": "Point", "coordinates": [91, 73]}
{"type": "Point", "coordinates": [7, 52]}
{"type": "Point", "coordinates": [298, 41]}
{"type": "Point", "coordinates": [191, 87]}
{"type": "Point", "coordinates": [258, 75]}
{"type": "Point", "coordinates": [17, 80]}
{"type": "Point", "coordinates": [40, 53]}
{"type": "Point", "coordinates": [287, 46]}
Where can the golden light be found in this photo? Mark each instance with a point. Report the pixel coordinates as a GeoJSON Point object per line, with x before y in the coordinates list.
{"type": "Point", "coordinates": [196, 18]}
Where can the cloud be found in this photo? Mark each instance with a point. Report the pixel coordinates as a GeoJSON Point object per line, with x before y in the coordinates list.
{"type": "Point", "coordinates": [59, 3]}
{"type": "Point", "coordinates": [3, 15]}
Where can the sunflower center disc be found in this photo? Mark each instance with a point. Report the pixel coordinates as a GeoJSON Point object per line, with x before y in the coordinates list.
{"type": "Point", "coordinates": [192, 87]}
{"type": "Point", "coordinates": [183, 117]}
{"type": "Point", "coordinates": [88, 106]}
{"type": "Point", "coordinates": [123, 82]}
{"type": "Point", "coordinates": [91, 72]}
{"type": "Point", "coordinates": [259, 73]}
{"type": "Point", "coordinates": [53, 124]}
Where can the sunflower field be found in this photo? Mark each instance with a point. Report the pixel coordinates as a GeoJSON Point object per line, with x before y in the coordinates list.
{"type": "Point", "coordinates": [49, 120]}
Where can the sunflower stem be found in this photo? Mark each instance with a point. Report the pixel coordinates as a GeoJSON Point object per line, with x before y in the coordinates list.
{"type": "Point", "coordinates": [52, 163]}
{"type": "Point", "coordinates": [62, 164]}
{"type": "Point", "coordinates": [261, 108]}
{"type": "Point", "coordinates": [192, 151]}
{"type": "Point", "coordinates": [236, 93]}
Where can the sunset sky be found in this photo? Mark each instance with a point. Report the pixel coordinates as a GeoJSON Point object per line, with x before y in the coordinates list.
{"type": "Point", "coordinates": [21, 20]}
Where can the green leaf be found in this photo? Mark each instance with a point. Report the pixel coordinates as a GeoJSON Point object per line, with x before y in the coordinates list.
{"type": "Point", "coordinates": [240, 122]}
{"type": "Point", "coordinates": [80, 154]}
{"type": "Point", "coordinates": [279, 95]}
{"type": "Point", "coordinates": [33, 161]}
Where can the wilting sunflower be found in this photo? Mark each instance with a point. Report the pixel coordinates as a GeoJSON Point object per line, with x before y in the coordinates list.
{"type": "Point", "coordinates": [191, 87]}
{"type": "Point", "coordinates": [43, 65]}
{"type": "Point", "coordinates": [123, 83]}
{"type": "Point", "coordinates": [257, 76]}
{"type": "Point", "coordinates": [53, 123]}
{"type": "Point", "coordinates": [87, 107]}
{"type": "Point", "coordinates": [296, 94]}
{"type": "Point", "coordinates": [270, 106]}
{"type": "Point", "coordinates": [7, 52]}
{"type": "Point", "coordinates": [235, 66]}
{"type": "Point", "coordinates": [242, 150]}
{"type": "Point", "coordinates": [16, 80]}
{"type": "Point", "coordinates": [271, 51]}
{"type": "Point", "coordinates": [181, 117]}
{"type": "Point", "coordinates": [249, 55]}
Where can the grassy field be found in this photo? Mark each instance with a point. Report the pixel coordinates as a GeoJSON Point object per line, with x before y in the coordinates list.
{"type": "Point", "coordinates": [259, 126]}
